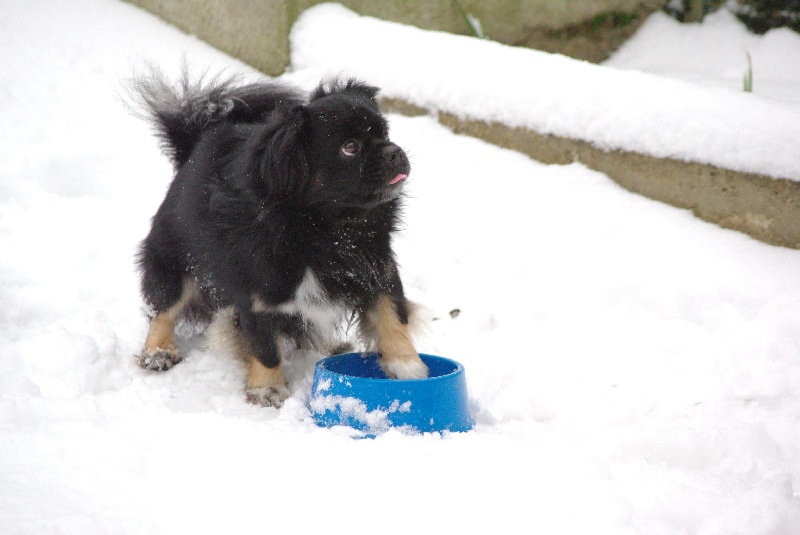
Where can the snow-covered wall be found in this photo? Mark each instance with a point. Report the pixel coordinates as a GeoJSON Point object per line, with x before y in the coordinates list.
{"type": "Point", "coordinates": [550, 94]}
{"type": "Point", "coordinates": [256, 31]}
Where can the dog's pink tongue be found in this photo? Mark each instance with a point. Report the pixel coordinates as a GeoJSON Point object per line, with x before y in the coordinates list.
{"type": "Point", "coordinates": [398, 178]}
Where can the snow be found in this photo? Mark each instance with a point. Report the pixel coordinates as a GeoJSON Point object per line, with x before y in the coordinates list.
{"type": "Point", "coordinates": [666, 47]}
{"type": "Point", "coordinates": [372, 422]}
{"type": "Point", "coordinates": [631, 369]}
{"type": "Point", "coordinates": [551, 94]}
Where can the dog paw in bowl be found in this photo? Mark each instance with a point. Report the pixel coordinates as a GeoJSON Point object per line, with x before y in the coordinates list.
{"type": "Point", "coordinates": [352, 390]}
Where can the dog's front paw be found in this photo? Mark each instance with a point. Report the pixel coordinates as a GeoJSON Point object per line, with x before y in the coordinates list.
{"type": "Point", "coordinates": [159, 359]}
{"type": "Point", "coordinates": [268, 396]}
{"type": "Point", "coordinates": [408, 366]}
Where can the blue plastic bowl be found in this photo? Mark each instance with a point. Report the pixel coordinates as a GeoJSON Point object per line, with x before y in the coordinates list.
{"type": "Point", "coordinates": [352, 390]}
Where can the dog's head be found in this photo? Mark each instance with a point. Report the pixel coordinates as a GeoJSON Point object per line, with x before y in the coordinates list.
{"type": "Point", "coordinates": [339, 144]}
{"type": "Point", "coordinates": [351, 159]}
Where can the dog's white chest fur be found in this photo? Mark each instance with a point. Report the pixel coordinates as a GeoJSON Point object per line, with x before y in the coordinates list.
{"type": "Point", "coordinates": [311, 302]}
{"type": "Point", "coordinates": [323, 317]}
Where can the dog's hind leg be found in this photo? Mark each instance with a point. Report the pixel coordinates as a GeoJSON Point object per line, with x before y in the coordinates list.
{"type": "Point", "coordinates": [160, 352]}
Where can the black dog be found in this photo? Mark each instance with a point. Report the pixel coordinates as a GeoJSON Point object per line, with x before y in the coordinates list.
{"type": "Point", "coordinates": [281, 214]}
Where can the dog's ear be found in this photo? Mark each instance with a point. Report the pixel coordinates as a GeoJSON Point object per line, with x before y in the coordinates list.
{"type": "Point", "coordinates": [345, 86]}
{"type": "Point", "coordinates": [281, 166]}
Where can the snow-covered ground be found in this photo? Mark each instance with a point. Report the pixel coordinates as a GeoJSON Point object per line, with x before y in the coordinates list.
{"type": "Point", "coordinates": [631, 369]}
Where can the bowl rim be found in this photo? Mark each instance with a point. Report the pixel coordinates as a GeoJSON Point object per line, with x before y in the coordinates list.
{"type": "Point", "coordinates": [459, 368]}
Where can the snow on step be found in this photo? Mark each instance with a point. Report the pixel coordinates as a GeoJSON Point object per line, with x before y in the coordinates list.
{"type": "Point", "coordinates": [552, 94]}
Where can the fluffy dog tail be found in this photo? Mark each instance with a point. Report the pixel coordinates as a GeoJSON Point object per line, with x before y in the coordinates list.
{"type": "Point", "coordinates": [181, 111]}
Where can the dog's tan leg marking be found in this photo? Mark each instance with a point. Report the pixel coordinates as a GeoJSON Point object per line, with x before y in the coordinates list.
{"type": "Point", "coordinates": [160, 352]}
{"type": "Point", "coordinates": [399, 359]}
{"type": "Point", "coordinates": [266, 386]}
{"type": "Point", "coordinates": [160, 337]}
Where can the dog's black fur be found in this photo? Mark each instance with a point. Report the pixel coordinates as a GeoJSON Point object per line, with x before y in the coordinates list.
{"type": "Point", "coordinates": [275, 194]}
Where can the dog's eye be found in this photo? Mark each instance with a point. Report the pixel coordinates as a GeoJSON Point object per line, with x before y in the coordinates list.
{"type": "Point", "coordinates": [350, 148]}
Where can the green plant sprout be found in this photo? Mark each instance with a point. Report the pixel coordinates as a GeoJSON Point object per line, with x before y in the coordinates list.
{"type": "Point", "coordinates": [748, 75]}
{"type": "Point", "coordinates": [473, 23]}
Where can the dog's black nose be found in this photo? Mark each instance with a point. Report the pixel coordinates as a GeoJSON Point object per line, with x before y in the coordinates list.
{"type": "Point", "coordinates": [391, 153]}
{"type": "Point", "coordinates": [395, 159]}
